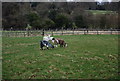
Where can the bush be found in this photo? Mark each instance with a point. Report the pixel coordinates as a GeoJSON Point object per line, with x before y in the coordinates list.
{"type": "Point", "coordinates": [49, 24]}
{"type": "Point", "coordinates": [61, 21]}
{"type": "Point", "coordinates": [34, 20]}
{"type": "Point", "coordinates": [80, 22]}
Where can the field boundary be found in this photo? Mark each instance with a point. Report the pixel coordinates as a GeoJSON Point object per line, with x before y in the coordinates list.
{"type": "Point", "coordinates": [31, 33]}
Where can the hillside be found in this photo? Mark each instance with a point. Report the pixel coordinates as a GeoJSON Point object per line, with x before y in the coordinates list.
{"type": "Point", "coordinates": [41, 15]}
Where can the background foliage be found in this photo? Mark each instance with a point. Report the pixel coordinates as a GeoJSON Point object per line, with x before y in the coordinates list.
{"type": "Point", "coordinates": [59, 15]}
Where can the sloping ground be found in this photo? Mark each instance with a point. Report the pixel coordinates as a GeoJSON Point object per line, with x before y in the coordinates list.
{"type": "Point", "coordinates": [86, 57]}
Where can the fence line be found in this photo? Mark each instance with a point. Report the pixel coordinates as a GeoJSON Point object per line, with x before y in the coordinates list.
{"type": "Point", "coordinates": [58, 32]}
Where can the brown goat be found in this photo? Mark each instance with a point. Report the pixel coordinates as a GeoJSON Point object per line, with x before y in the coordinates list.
{"type": "Point", "coordinates": [59, 41]}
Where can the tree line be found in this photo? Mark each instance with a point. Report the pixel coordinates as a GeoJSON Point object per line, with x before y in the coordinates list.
{"type": "Point", "coordinates": [39, 15]}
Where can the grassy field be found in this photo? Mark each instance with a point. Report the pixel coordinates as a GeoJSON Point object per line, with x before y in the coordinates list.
{"type": "Point", "coordinates": [86, 57]}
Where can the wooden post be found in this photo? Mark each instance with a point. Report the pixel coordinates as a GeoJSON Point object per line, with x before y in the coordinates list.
{"type": "Point", "coordinates": [84, 32]}
{"type": "Point", "coordinates": [62, 30]}
{"type": "Point", "coordinates": [52, 32]}
{"type": "Point", "coordinates": [18, 33]}
{"type": "Point", "coordinates": [97, 32]}
{"type": "Point", "coordinates": [24, 33]}
{"type": "Point", "coordinates": [15, 34]}
{"type": "Point", "coordinates": [30, 32]}
{"type": "Point", "coordinates": [87, 31]}
{"type": "Point", "coordinates": [8, 34]}
{"type": "Point", "coordinates": [56, 32]}
{"type": "Point", "coordinates": [43, 32]}
{"type": "Point", "coordinates": [111, 31]}
{"type": "Point", "coordinates": [73, 31]}
{"type": "Point", "coordinates": [27, 32]}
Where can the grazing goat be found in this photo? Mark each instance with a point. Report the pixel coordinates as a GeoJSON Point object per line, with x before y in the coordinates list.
{"type": "Point", "coordinates": [44, 43]}
{"type": "Point", "coordinates": [59, 41]}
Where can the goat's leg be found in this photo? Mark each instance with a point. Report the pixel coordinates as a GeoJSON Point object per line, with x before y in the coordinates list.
{"type": "Point", "coordinates": [61, 45]}
{"type": "Point", "coordinates": [41, 45]}
{"type": "Point", "coordinates": [56, 45]}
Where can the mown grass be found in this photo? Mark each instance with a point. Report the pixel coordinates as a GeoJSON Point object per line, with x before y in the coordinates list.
{"type": "Point", "coordinates": [86, 57]}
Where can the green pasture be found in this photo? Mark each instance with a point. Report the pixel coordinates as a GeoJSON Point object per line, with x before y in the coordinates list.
{"type": "Point", "coordinates": [86, 57]}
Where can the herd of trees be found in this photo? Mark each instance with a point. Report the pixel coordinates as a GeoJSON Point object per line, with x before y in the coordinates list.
{"type": "Point", "coordinates": [57, 15]}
